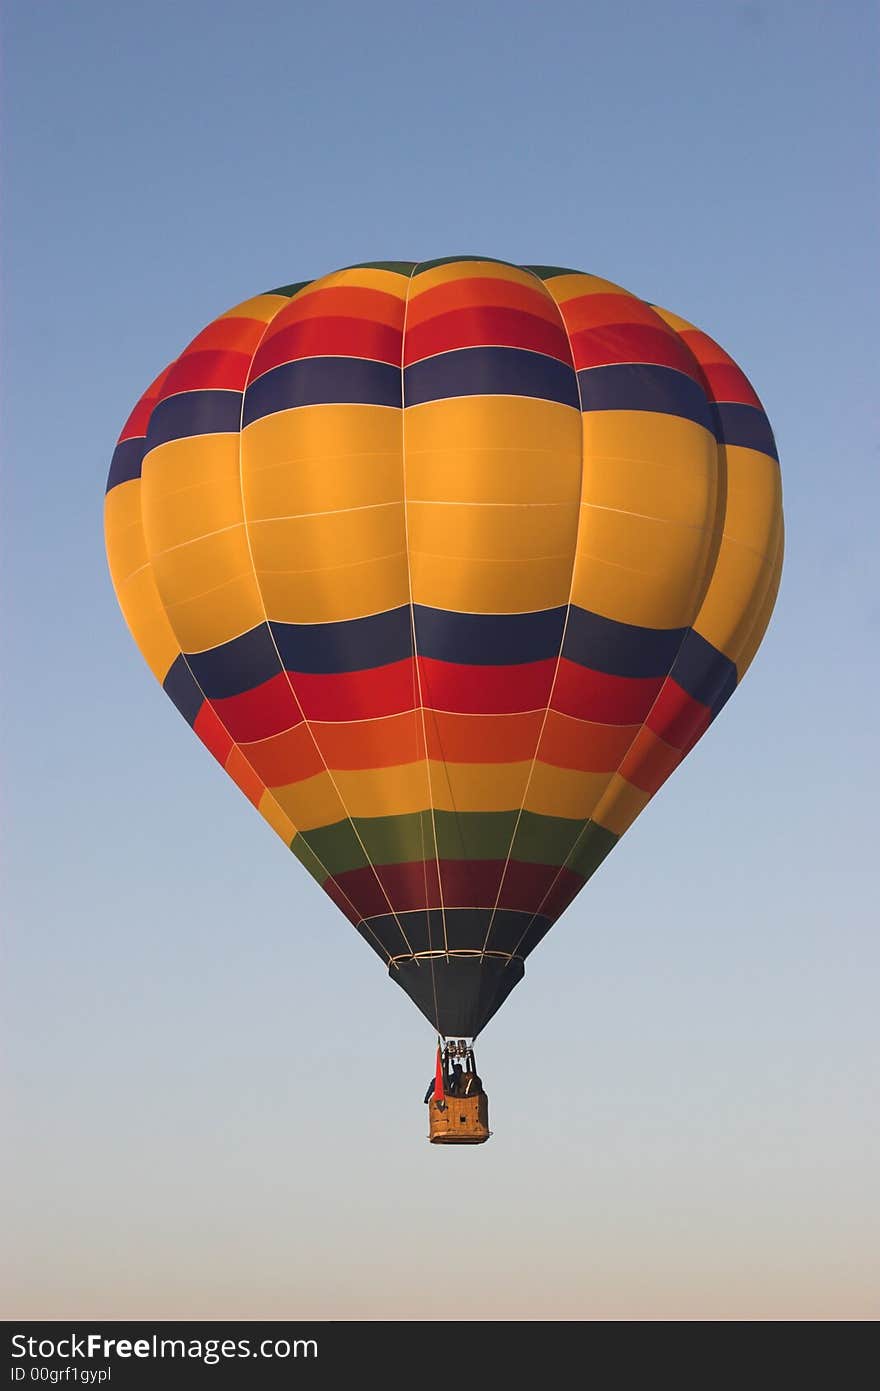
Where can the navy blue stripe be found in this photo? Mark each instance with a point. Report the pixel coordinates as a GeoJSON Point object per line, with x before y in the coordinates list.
{"type": "Point", "coordinates": [353, 645]}
{"type": "Point", "coordinates": [126, 462]}
{"type": "Point", "coordinates": [488, 639]}
{"type": "Point", "coordinates": [322, 381]}
{"type": "Point", "coordinates": [465, 929]}
{"type": "Point", "coordinates": [745, 425]}
{"type": "Point", "coordinates": [236, 666]}
{"type": "Point", "coordinates": [362, 644]}
{"type": "Point", "coordinates": [490, 372]}
{"type": "Point", "coordinates": [704, 672]}
{"type": "Point", "coordinates": [183, 689]}
{"type": "Point", "coordinates": [194, 413]}
{"type": "Point", "coordinates": [643, 386]}
{"type": "Point", "coordinates": [619, 649]}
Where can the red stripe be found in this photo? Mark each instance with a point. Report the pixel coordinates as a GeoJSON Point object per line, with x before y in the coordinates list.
{"type": "Point", "coordinates": [267, 709]}
{"type": "Point", "coordinates": [207, 371]}
{"type": "Point", "coordinates": [212, 733]}
{"type": "Point", "coordinates": [356, 695]}
{"type": "Point", "coordinates": [725, 380]}
{"type": "Point", "coordinates": [329, 337]}
{"type": "Point", "coordinates": [232, 335]}
{"type": "Point", "coordinates": [677, 717]}
{"type": "Point", "coordinates": [600, 347]}
{"type": "Point", "coordinates": [135, 426]}
{"type": "Point", "coordinates": [489, 326]}
{"type": "Point", "coordinates": [592, 695]}
{"type": "Point", "coordinates": [489, 690]}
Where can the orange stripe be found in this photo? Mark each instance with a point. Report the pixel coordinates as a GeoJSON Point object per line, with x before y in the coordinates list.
{"type": "Point", "coordinates": [384, 743]}
{"type": "Point", "coordinates": [483, 738]}
{"type": "Point", "coordinates": [243, 776]}
{"type": "Point", "coordinates": [284, 758]}
{"type": "Point", "coordinates": [229, 335]}
{"type": "Point", "coordinates": [346, 301]}
{"type": "Point", "coordinates": [594, 311]}
{"type": "Point", "coordinates": [475, 292]}
{"type": "Point", "coordinates": [583, 746]}
{"type": "Point", "coordinates": [649, 762]}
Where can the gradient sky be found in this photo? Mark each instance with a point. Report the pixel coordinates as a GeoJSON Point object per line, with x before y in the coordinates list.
{"type": "Point", "coordinates": [681, 1088]}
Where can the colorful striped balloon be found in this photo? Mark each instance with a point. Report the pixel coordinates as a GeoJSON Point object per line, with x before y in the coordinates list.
{"type": "Point", "coordinates": [449, 565]}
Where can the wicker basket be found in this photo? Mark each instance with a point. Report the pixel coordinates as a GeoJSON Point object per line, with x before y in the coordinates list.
{"type": "Point", "coordinates": [459, 1120]}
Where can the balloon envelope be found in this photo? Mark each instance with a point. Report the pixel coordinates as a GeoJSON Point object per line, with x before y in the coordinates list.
{"type": "Point", "coordinates": [449, 565]}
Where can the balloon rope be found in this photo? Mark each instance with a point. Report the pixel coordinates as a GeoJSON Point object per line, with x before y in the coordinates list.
{"type": "Point", "coordinates": [549, 705]}
{"type": "Point", "coordinates": [417, 677]}
{"type": "Point", "coordinates": [283, 670]}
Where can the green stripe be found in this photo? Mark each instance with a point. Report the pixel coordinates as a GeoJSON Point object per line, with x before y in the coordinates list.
{"type": "Point", "coordinates": [399, 267]}
{"type": "Point", "coordinates": [307, 857]}
{"type": "Point", "coordinates": [595, 843]}
{"type": "Point", "coordinates": [453, 260]}
{"type": "Point", "coordinates": [486, 835]}
{"type": "Point", "coordinates": [289, 290]}
{"type": "Point", "coordinates": [548, 272]}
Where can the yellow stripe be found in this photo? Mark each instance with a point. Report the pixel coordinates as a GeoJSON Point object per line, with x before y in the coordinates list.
{"type": "Point", "coordinates": [263, 307]}
{"type": "Point", "coordinates": [651, 464]}
{"type": "Point", "coordinates": [295, 544]}
{"type": "Point", "coordinates": [312, 802]}
{"type": "Point", "coordinates": [675, 321]}
{"type": "Point", "coordinates": [564, 791]}
{"type": "Point", "coordinates": [566, 287]}
{"type": "Point", "coordinates": [745, 569]}
{"type": "Point", "coordinates": [206, 500]}
{"type": "Point", "coordinates": [328, 483]}
{"type": "Point", "coordinates": [124, 539]}
{"type": "Point", "coordinates": [764, 611]}
{"type": "Point", "coordinates": [649, 523]}
{"type": "Point", "coordinates": [754, 499]}
{"type": "Point", "coordinates": [276, 817]}
{"type": "Point", "coordinates": [319, 433]}
{"type": "Point", "coordinates": [491, 586]}
{"type": "Point", "coordinates": [471, 270]}
{"type": "Point", "coordinates": [147, 620]}
{"type": "Point", "coordinates": [327, 596]}
{"type": "Point", "coordinates": [466, 461]}
{"type": "Point", "coordinates": [488, 449]}
{"type": "Point", "coordinates": [192, 462]}
{"type": "Point", "coordinates": [465, 787]}
{"type": "Point", "coordinates": [389, 281]}
{"type": "Point", "coordinates": [458, 532]}
{"type": "Point", "coordinates": [225, 612]}
{"type": "Point", "coordinates": [621, 805]}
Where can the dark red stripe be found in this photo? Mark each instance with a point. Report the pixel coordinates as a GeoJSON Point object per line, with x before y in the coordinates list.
{"type": "Point", "coordinates": [466, 883]}
{"type": "Point", "coordinates": [489, 326]}
{"type": "Point", "coordinates": [328, 337]}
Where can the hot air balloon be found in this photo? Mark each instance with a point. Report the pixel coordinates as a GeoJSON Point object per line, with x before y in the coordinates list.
{"type": "Point", "coordinates": [449, 565]}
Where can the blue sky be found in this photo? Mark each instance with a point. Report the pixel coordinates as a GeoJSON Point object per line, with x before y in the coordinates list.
{"type": "Point", "coordinates": [681, 1088]}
